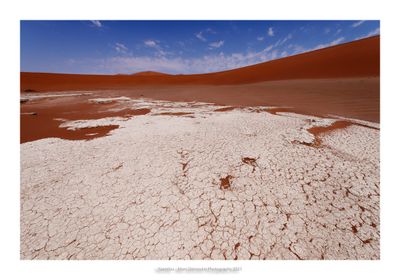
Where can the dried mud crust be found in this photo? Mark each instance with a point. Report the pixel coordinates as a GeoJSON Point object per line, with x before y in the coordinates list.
{"type": "Point", "coordinates": [221, 185]}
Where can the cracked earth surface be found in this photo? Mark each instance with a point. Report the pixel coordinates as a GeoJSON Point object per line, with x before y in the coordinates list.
{"type": "Point", "coordinates": [197, 181]}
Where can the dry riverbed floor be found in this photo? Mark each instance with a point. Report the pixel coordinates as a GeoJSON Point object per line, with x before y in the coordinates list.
{"type": "Point", "coordinates": [193, 180]}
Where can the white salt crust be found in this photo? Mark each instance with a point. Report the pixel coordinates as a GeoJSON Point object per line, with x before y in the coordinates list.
{"type": "Point", "coordinates": [152, 189]}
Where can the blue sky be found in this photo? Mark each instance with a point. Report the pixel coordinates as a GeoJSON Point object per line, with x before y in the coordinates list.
{"type": "Point", "coordinates": [111, 47]}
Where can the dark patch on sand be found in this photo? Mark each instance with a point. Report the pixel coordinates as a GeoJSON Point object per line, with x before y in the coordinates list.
{"type": "Point", "coordinates": [225, 183]}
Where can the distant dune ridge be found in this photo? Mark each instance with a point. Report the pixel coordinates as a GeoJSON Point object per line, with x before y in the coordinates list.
{"type": "Point", "coordinates": [355, 59]}
{"type": "Point", "coordinates": [149, 73]}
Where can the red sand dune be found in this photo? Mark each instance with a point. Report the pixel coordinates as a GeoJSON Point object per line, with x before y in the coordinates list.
{"type": "Point", "coordinates": [341, 80]}
{"type": "Point", "coordinates": [355, 59]}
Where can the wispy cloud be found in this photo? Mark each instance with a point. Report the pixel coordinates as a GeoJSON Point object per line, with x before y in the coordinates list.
{"type": "Point", "coordinates": [96, 23]}
{"type": "Point", "coordinates": [260, 38]}
{"type": "Point", "coordinates": [373, 32]}
{"type": "Point", "coordinates": [270, 32]}
{"type": "Point", "coordinates": [358, 23]}
{"type": "Point", "coordinates": [327, 30]}
{"type": "Point", "coordinates": [216, 45]}
{"type": "Point", "coordinates": [283, 40]}
{"type": "Point", "coordinates": [296, 48]}
{"type": "Point", "coordinates": [120, 48]}
{"type": "Point", "coordinates": [201, 35]}
{"type": "Point", "coordinates": [332, 43]}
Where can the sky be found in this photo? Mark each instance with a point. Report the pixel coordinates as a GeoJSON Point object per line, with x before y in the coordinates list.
{"type": "Point", "coordinates": [175, 47]}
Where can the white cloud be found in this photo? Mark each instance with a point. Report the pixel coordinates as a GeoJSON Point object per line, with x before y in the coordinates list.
{"type": "Point", "coordinates": [333, 43]}
{"type": "Point", "coordinates": [338, 31]}
{"type": "Point", "coordinates": [96, 23]}
{"type": "Point", "coordinates": [215, 45]}
{"type": "Point", "coordinates": [260, 38]}
{"type": "Point", "coordinates": [121, 48]}
{"type": "Point", "coordinates": [358, 23]}
{"type": "Point", "coordinates": [270, 32]}
{"type": "Point", "coordinates": [327, 30]}
{"type": "Point", "coordinates": [151, 43]}
{"type": "Point", "coordinates": [159, 50]}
